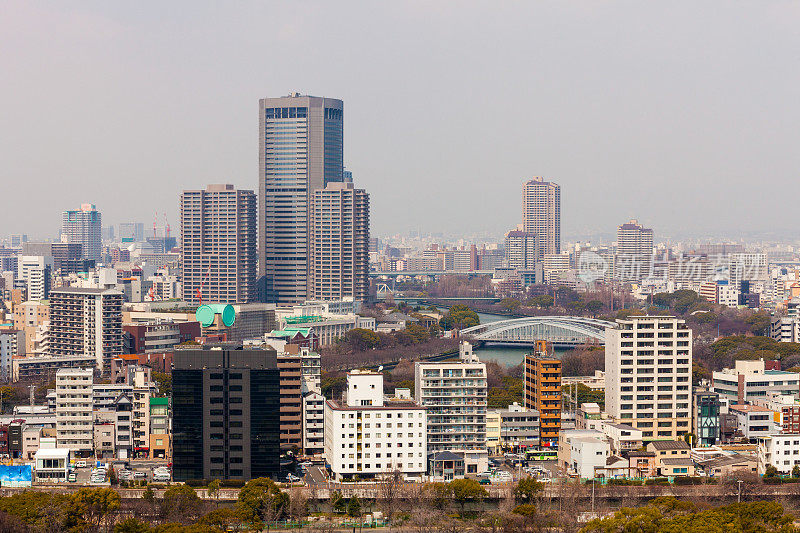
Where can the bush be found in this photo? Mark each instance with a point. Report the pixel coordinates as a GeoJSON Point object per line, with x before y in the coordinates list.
{"type": "Point", "coordinates": [657, 481]}
{"type": "Point", "coordinates": [196, 482]}
{"type": "Point", "coordinates": [616, 481]}
{"type": "Point", "coordinates": [232, 483]}
{"type": "Point", "coordinates": [688, 480]}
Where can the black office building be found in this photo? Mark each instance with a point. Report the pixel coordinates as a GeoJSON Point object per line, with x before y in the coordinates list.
{"type": "Point", "coordinates": [226, 412]}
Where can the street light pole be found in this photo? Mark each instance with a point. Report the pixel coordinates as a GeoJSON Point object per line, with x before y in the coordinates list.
{"type": "Point", "coordinates": [739, 497]}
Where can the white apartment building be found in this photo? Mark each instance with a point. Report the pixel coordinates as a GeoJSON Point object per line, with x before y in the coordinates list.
{"type": "Point", "coordinates": [581, 452]}
{"type": "Point", "coordinates": [785, 329]}
{"type": "Point", "coordinates": [313, 423]}
{"type": "Point", "coordinates": [34, 271]}
{"type": "Point", "coordinates": [754, 421]}
{"type": "Point", "coordinates": [779, 450]}
{"type": "Point", "coordinates": [367, 435]}
{"type": "Point", "coordinates": [454, 396]}
{"type": "Point", "coordinates": [753, 379]}
{"type": "Point", "coordinates": [648, 375]}
{"type": "Point", "coordinates": [74, 422]}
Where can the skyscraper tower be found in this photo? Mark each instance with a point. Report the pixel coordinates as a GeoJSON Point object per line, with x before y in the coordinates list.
{"type": "Point", "coordinates": [541, 214]}
{"type": "Point", "coordinates": [84, 226]}
{"type": "Point", "coordinates": [218, 252]}
{"type": "Point", "coordinates": [300, 150]}
{"type": "Point", "coordinates": [339, 243]}
{"type": "Point", "coordinates": [634, 251]}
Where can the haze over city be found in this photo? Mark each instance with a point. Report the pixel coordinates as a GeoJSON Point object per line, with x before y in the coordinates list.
{"type": "Point", "coordinates": [416, 267]}
{"type": "Point", "coordinates": [668, 112]}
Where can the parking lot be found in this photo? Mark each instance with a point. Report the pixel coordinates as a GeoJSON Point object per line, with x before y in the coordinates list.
{"type": "Point", "coordinates": [142, 469]}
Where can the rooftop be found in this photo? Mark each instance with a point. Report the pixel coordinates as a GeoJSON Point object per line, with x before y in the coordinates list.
{"type": "Point", "coordinates": [669, 445]}
{"type": "Point", "coordinates": [677, 461]}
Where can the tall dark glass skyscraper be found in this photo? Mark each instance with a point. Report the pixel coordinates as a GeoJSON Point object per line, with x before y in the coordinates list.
{"type": "Point", "coordinates": [300, 150]}
{"type": "Point", "coordinates": [226, 413]}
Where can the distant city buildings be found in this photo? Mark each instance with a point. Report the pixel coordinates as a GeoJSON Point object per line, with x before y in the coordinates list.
{"type": "Point", "coordinates": [634, 252]}
{"type": "Point", "coordinates": [541, 214]}
{"type": "Point", "coordinates": [218, 253]}
{"type": "Point", "coordinates": [521, 250]}
{"type": "Point", "coordinates": [83, 226]}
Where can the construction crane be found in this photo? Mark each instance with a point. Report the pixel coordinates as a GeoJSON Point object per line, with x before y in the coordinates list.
{"type": "Point", "coordinates": [166, 231]}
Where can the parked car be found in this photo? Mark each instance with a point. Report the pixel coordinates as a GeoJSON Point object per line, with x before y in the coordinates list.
{"type": "Point", "coordinates": [485, 481]}
{"type": "Point", "coordinates": [140, 475]}
{"type": "Point", "coordinates": [125, 475]}
{"type": "Point", "coordinates": [80, 464]}
{"type": "Point", "coordinates": [72, 477]}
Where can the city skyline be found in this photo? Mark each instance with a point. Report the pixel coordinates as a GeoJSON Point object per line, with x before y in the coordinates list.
{"type": "Point", "coordinates": [612, 122]}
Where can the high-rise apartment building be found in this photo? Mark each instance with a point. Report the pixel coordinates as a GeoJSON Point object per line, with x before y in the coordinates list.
{"type": "Point", "coordinates": [634, 251]}
{"type": "Point", "coordinates": [84, 226]}
{"type": "Point", "coordinates": [226, 413]}
{"type": "Point", "coordinates": [300, 151]}
{"type": "Point", "coordinates": [521, 250]}
{"type": "Point", "coordinates": [542, 392]}
{"type": "Point", "coordinates": [74, 421]}
{"type": "Point", "coordinates": [86, 321]}
{"type": "Point", "coordinates": [35, 271]}
{"type": "Point", "coordinates": [541, 214]}
{"type": "Point", "coordinates": [339, 243]}
{"type": "Point", "coordinates": [218, 252]}
{"type": "Point", "coordinates": [454, 395]}
{"type": "Point", "coordinates": [649, 375]}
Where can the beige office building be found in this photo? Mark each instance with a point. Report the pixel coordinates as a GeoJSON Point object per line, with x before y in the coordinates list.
{"type": "Point", "coordinates": [339, 238]}
{"type": "Point", "coordinates": [541, 214]}
{"type": "Point", "coordinates": [218, 252]}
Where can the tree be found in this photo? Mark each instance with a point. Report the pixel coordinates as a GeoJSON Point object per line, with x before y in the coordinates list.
{"type": "Point", "coordinates": [181, 503]}
{"type": "Point", "coordinates": [593, 307]}
{"type": "Point", "coordinates": [770, 472]}
{"type": "Point", "coordinates": [459, 317]}
{"type": "Point", "coordinates": [418, 333]}
{"type": "Point", "coordinates": [260, 500]}
{"type": "Point", "coordinates": [213, 489]}
{"type": "Point", "coordinates": [465, 491]}
{"type": "Point", "coordinates": [361, 339]}
{"type": "Point", "coordinates": [337, 501]}
{"type": "Point", "coordinates": [510, 304]}
{"type": "Point", "coordinates": [796, 471]}
{"type": "Point", "coordinates": [131, 525]}
{"type": "Point", "coordinates": [164, 383]}
{"type": "Point", "coordinates": [527, 488]}
{"type": "Point", "coordinates": [96, 505]}
{"type": "Point", "coordinates": [542, 301]}
{"type": "Point", "coordinates": [354, 507]}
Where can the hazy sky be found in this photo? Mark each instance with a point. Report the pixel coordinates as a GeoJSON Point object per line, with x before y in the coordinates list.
{"type": "Point", "coordinates": [681, 114]}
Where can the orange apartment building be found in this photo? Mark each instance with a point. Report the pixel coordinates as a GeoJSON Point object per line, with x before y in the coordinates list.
{"type": "Point", "coordinates": [542, 391]}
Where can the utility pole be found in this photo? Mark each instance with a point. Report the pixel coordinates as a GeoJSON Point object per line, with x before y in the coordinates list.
{"type": "Point", "coordinates": [739, 497]}
{"type": "Point", "coordinates": [593, 497]}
